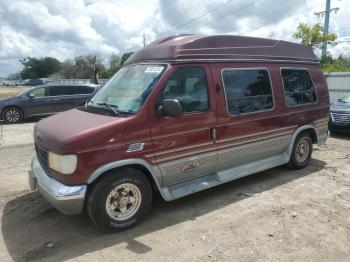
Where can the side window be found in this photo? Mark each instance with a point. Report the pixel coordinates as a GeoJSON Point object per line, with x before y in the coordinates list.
{"type": "Point", "coordinates": [189, 86]}
{"type": "Point", "coordinates": [62, 90]}
{"type": "Point", "coordinates": [39, 92]}
{"type": "Point", "coordinates": [298, 87]}
{"type": "Point", "coordinates": [247, 90]}
{"type": "Point", "coordinates": [84, 90]}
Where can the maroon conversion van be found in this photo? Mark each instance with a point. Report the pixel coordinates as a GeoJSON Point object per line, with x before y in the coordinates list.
{"type": "Point", "coordinates": [186, 113]}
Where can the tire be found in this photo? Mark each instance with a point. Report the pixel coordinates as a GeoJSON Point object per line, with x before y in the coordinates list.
{"type": "Point", "coordinates": [120, 200]}
{"type": "Point", "coordinates": [301, 153]}
{"type": "Point", "coordinates": [12, 115]}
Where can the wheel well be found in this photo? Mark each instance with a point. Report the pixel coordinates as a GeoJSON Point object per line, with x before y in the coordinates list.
{"type": "Point", "coordinates": [135, 166]}
{"type": "Point", "coordinates": [312, 133]}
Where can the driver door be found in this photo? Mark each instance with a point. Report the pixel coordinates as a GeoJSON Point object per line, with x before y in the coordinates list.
{"type": "Point", "coordinates": [185, 146]}
{"type": "Point", "coordinates": [36, 102]}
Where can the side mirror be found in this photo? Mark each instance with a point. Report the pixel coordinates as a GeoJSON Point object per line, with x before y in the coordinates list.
{"type": "Point", "coordinates": [171, 107]}
{"type": "Point", "coordinates": [31, 96]}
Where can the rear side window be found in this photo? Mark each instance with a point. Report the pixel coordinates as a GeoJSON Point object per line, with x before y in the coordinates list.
{"type": "Point", "coordinates": [189, 86]}
{"type": "Point", "coordinates": [84, 90]}
{"type": "Point", "coordinates": [298, 87]}
{"type": "Point", "coordinates": [247, 90]}
{"type": "Point", "coordinates": [62, 90]}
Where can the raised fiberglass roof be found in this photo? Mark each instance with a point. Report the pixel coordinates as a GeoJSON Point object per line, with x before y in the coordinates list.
{"type": "Point", "coordinates": [221, 48]}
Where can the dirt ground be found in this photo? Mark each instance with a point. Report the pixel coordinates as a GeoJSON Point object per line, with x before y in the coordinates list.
{"type": "Point", "coordinates": [8, 91]}
{"type": "Point", "coordinates": [276, 215]}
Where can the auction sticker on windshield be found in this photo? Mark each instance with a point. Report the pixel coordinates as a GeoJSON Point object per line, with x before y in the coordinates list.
{"type": "Point", "coordinates": [154, 69]}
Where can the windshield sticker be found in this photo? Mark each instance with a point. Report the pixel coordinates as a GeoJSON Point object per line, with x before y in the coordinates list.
{"type": "Point", "coordinates": [154, 69]}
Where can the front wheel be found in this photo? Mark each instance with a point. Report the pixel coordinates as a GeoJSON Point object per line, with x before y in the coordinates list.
{"type": "Point", "coordinates": [120, 200]}
{"type": "Point", "coordinates": [301, 153]}
{"type": "Point", "coordinates": [12, 115]}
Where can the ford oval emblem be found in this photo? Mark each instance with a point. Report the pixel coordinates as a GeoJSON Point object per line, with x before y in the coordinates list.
{"type": "Point", "coordinates": [190, 167]}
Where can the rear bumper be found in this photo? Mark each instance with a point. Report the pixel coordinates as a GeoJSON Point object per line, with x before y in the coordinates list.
{"type": "Point", "coordinates": [67, 199]}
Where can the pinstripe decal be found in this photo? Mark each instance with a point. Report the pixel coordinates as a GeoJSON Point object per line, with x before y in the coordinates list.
{"type": "Point", "coordinates": [183, 148]}
{"type": "Point", "coordinates": [223, 144]}
{"type": "Point", "coordinates": [192, 153]}
{"type": "Point", "coordinates": [255, 140]}
{"type": "Point", "coordinates": [282, 134]}
{"type": "Point", "coordinates": [291, 128]}
{"type": "Point", "coordinates": [180, 133]}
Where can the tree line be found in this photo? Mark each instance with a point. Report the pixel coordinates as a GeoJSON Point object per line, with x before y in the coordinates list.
{"type": "Point", "coordinates": [313, 36]}
{"type": "Point", "coordinates": [88, 66]}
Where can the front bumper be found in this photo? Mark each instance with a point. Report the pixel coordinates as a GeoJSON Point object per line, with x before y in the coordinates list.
{"type": "Point", "coordinates": [67, 199]}
{"type": "Point", "coordinates": [339, 127]}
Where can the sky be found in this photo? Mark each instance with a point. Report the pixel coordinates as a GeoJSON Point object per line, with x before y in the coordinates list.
{"type": "Point", "coordinates": [67, 28]}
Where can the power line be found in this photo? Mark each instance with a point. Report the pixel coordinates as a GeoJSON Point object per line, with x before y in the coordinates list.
{"type": "Point", "coordinates": [235, 11]}
{"type": "Point", "coordinates": [279, 11]}
{"type": "Point", "coordinates": [198, 17]}
{"type": "Point", "coordinates": [343, 41]}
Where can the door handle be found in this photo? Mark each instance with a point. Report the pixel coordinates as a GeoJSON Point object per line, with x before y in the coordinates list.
{"type": "Point", "coordinates": [213, 134]}
{"type": "Point", "coordinates": [53, 100]}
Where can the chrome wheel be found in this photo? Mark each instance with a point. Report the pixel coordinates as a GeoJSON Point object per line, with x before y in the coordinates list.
{"type": "Point", "coordinates": [123, 201]}
{"type": "Point", "coordinates": [12, 116]}
{"type": "Point", "coordinates": [302, 150]}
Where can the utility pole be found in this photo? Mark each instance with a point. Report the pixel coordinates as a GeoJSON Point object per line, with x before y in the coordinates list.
{"type": "Point", "coordinates": [144, 40]}
{"type": "Point", "coordinates": [326, 14]}
{"type": "Point", "coordinates": [326, 26]}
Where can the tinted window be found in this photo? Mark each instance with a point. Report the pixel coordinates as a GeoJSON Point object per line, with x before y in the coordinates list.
{"type": "Point", "coordinates": [62, 90]}
{"type": "Point", "coordinates": [82, 90]}
{"type": "Point", "coordinates": [189, 86]}
{"type": "Point", "coordinates": [247, 90]}
{"type": "Point", "coordinates": [40, 92]}
{"type": "Point", "coordinates": [298, 87]}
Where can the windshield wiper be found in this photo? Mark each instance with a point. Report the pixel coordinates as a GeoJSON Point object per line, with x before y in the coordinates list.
{"type": "Point", "coordinates": [114, 108]}
{"type": "Point", "coordinates": [110, 107]}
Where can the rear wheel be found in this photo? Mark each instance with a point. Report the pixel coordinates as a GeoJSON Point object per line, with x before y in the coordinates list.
{"type": "Point", "coordinates": [12, 115]}
{"type": "Point", "coordinates": [120, 200]}
{"type": "Point", "coordinates": [302, 150]}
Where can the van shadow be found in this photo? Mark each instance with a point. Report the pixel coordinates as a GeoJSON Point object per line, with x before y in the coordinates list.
{"type": "Point", "coordinates": [33, 230]}
{"type": "Point", "coordinates": [343, 136]}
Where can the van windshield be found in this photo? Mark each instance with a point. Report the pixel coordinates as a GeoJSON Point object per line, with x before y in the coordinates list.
{"type": "Point", "coordinates": [128, 89]}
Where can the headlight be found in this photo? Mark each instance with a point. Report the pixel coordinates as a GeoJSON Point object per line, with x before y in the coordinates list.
{"type": "Point", "coordinates": [64, 164]}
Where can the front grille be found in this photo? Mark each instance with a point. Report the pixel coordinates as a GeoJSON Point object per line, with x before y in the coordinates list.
{"type": "Point", "coordinates": [341, 117]}
{"type": "Point", "coordinates": [42, 155]}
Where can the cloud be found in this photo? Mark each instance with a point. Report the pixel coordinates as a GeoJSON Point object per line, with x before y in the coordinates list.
{"type": "Point", "coordinates": [67, 28]}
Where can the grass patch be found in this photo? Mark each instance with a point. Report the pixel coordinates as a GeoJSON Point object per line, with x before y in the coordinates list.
{"type": "Point", "coordinates": [4, 95]}
{"type": "Point", "coordinates": [7, 94]}
{"type": "Point", "coordinates": [11, 91]}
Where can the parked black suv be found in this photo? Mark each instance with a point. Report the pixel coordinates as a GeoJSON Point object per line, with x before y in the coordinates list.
{"type": "Point", "coordinates": [340, 116]}
{"type": "Point", "coordinates": [45, 100]}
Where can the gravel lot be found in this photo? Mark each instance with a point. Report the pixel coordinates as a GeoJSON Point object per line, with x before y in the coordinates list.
{"type": "Point", "coordinates": [276, 215]}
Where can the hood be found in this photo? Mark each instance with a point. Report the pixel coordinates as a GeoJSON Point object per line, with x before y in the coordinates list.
{"type": "Point", "coordinates": [340, 107]}
{"type": "Point", "coordinates": [75, 130]}
{"type": "Point", "coordinates": [6, 100]}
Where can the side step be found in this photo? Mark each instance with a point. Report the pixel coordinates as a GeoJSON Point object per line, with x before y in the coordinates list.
{"type": "Point", "coordinates": [199, 184]}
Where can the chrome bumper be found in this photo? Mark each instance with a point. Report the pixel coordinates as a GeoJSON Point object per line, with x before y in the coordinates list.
{"type": "Point", "coordinates": [67, 199]}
